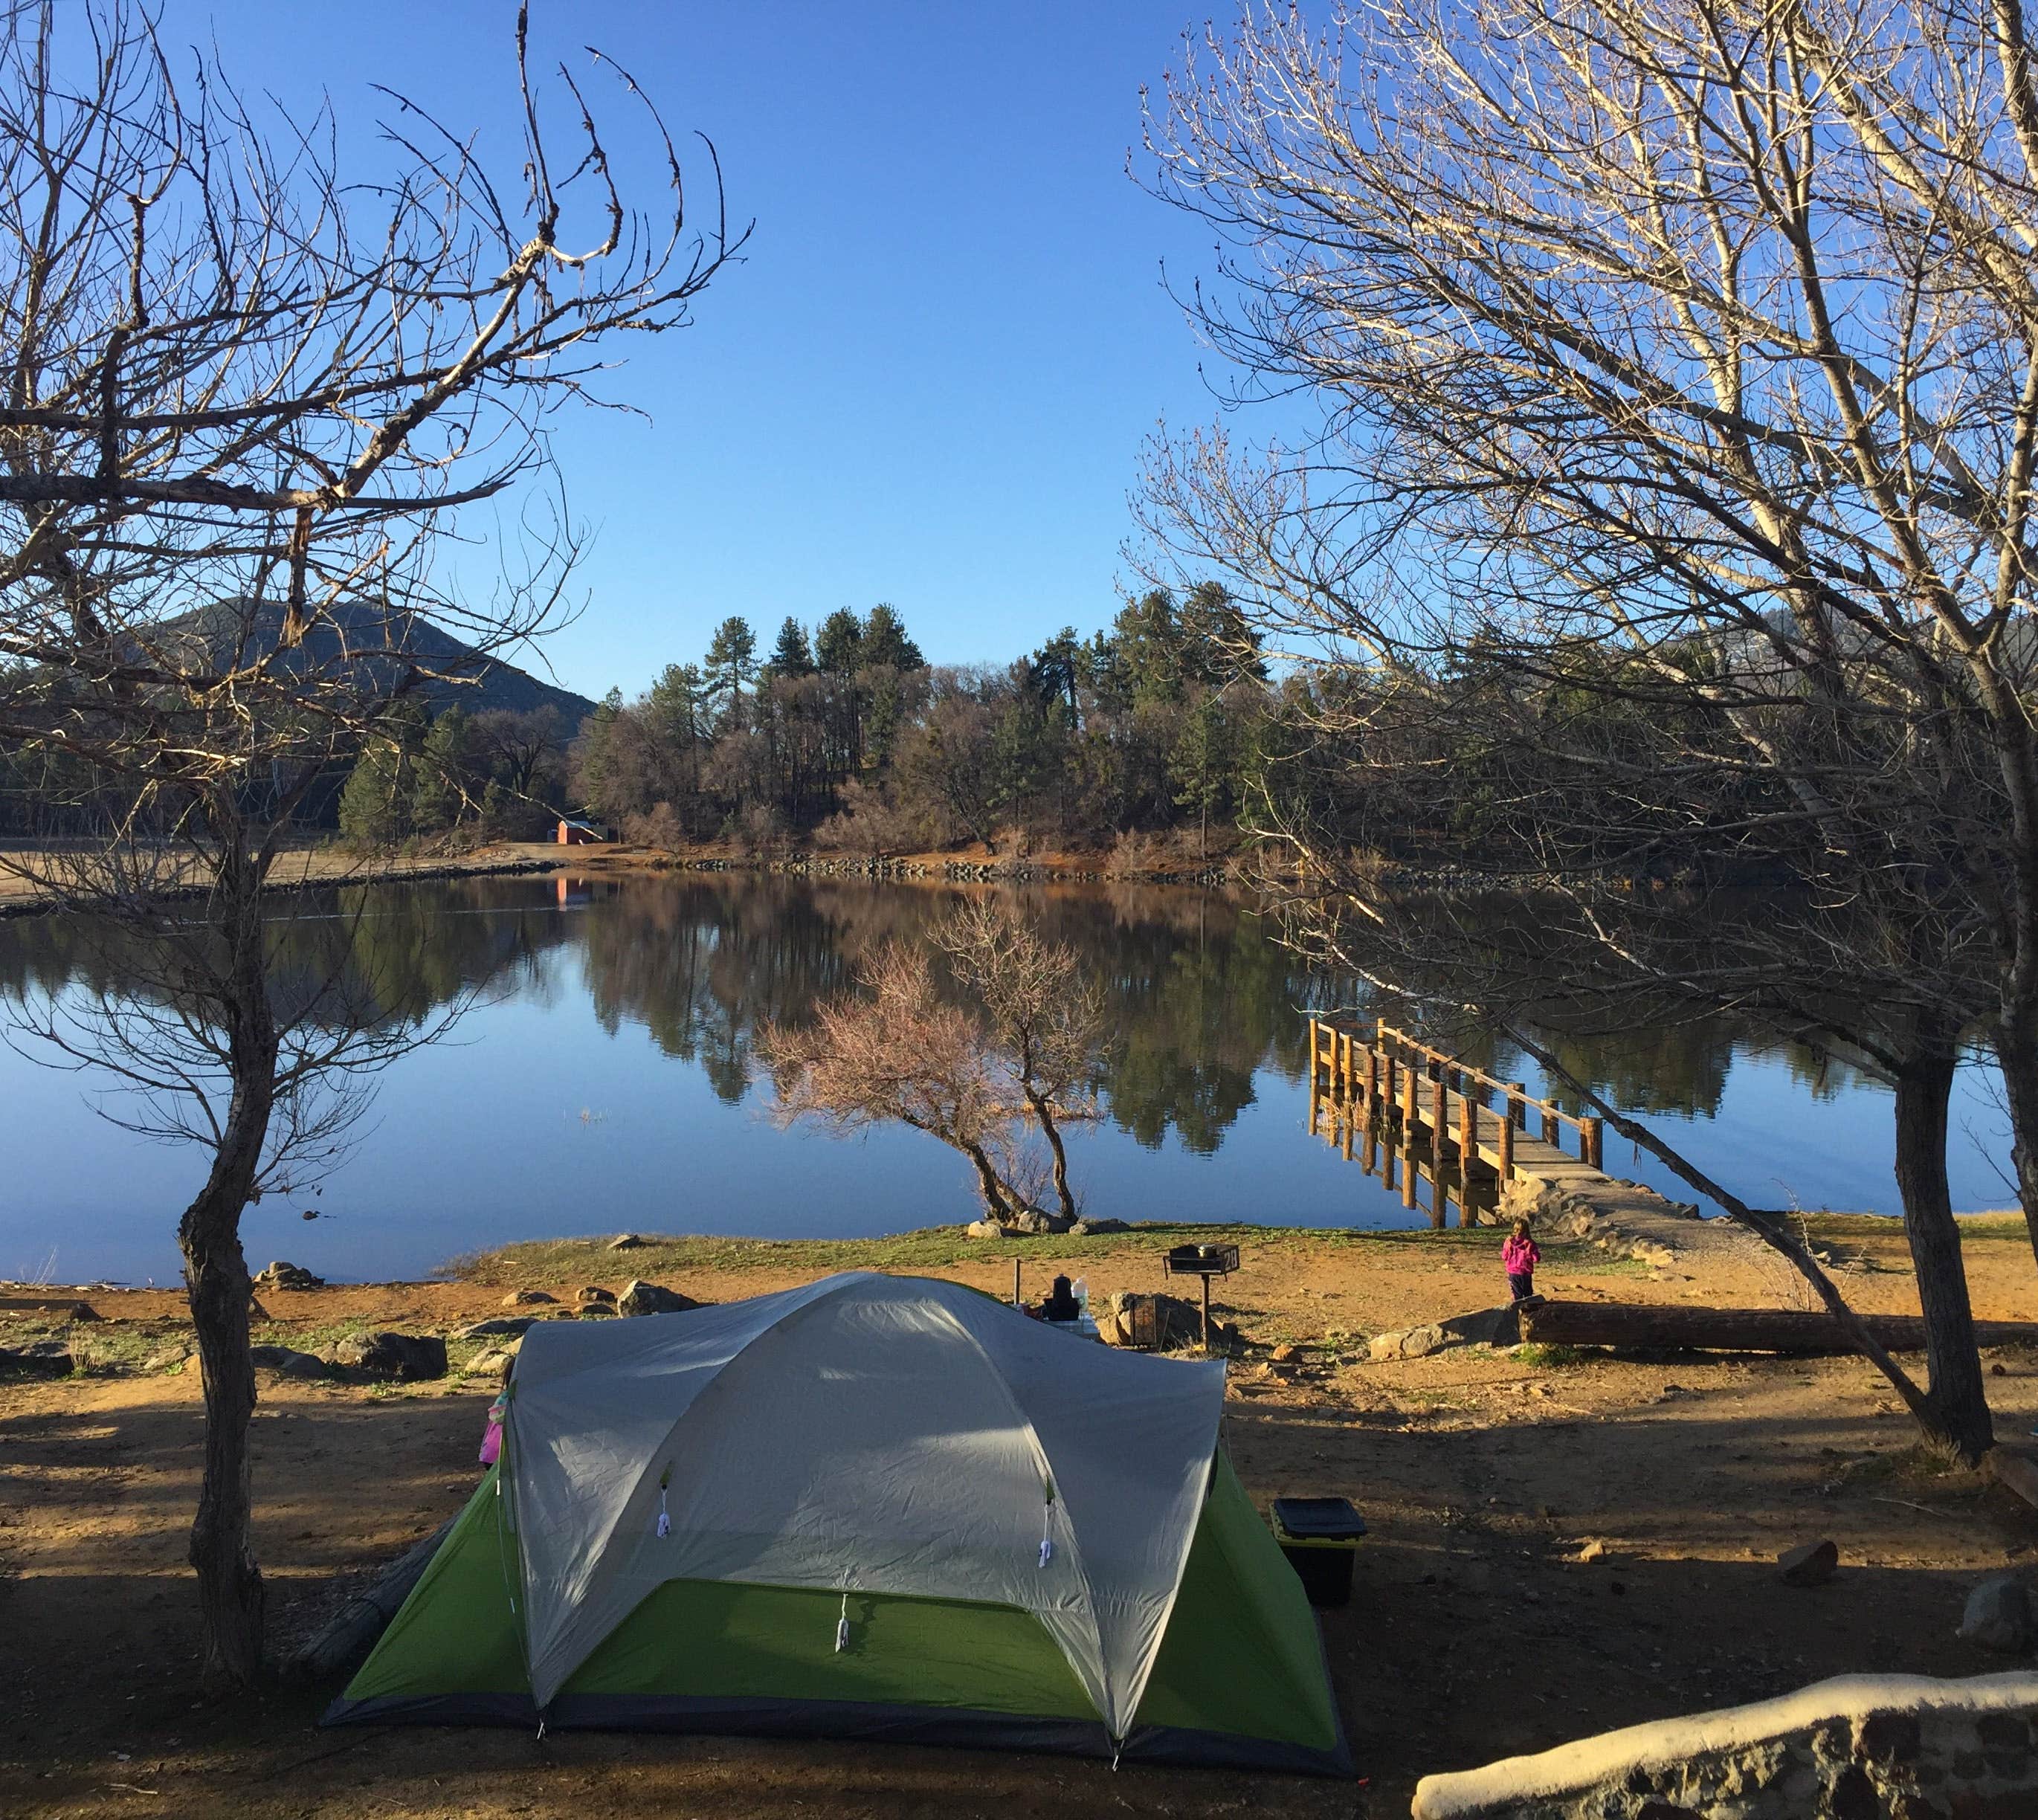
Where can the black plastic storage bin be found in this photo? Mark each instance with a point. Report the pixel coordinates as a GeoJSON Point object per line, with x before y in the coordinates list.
{"type": "Point", "coordinates": [1319, 1536]}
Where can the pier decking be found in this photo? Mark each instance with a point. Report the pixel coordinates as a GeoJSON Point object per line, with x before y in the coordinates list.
{"type": "Point", "coordinates": [1409, 1112]}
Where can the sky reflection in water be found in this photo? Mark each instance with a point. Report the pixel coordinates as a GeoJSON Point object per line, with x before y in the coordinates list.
{"type": "Point", "coordinates": [603, 1085]}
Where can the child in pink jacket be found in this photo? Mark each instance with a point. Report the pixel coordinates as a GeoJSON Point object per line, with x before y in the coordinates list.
{"type": "Point", "coordinates": [1519, 1257]}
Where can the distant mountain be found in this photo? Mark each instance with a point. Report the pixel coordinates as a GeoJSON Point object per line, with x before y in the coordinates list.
{"type": "Point", "coordinates": [381, 647]}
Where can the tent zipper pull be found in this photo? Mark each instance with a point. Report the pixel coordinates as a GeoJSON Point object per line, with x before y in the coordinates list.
{"type": "Point", "coordinates": [1047, 1541]}
{"type": "Point", "coordinates": [842, 1627]}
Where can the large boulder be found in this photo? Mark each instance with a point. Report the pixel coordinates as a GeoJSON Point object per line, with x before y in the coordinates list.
{"type": "Point", "coordinates": [281, 1276]}
{"type": "Point", "coordinates": [1500, 1326]}
{"type": "Point", "coordinates": [404, 1358]}
{"type": "Point", "coordinates": [1158, 1323]}
{"type": "Point", "coordinates": [1087, 1228]}
{"type": "Point", "coordinates": [650, 1299]}
{"type": "Point", "coordinates": [496, 1326]}
{"type": "Point", "coordinates": [1034, 1223]}
{"type": "Point", "coordinates": [490, 1364]}
{"type": "Point", "coordinates": [1999, 1615]}
{"type": "Point", "coordinates": [39, 1359]}
{"type": "Point", "coordinates": [1810, 1562]}
{"type": "Point", "coordinates": [290, 1362]}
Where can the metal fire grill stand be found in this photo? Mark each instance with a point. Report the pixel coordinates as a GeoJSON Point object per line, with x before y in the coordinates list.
{"type": "Point", "coordinates": [1205, 1261]}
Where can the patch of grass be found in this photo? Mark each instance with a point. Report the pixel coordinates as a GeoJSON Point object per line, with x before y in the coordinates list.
{"type": "Point", "coordinates": [1554, 1357]}
{"type": "Point", "coordinates": [931, 1248]}
{"type": "Point", "coordinates": [1825, 1225]}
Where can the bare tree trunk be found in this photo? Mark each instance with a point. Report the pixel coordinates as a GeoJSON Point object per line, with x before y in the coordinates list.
{"type": "Point", "coordinates": [996, 1197]}
{"type": "Point", "coordinates": [1049, 1129]}
{"type": "Point", "coordinates": [2016, 1055]}
{"type": "Point", "coordinates": [217, 1288]}
{"type": "Point", "coordinates": [1957, 1413]}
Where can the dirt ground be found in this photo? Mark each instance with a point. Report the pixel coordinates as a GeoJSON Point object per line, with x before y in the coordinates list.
{"type": "Point", "coordinates": [1476, 1630]}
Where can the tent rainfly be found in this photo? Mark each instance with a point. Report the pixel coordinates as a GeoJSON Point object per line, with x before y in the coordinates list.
{"type": "Point", "coordinates": [872, 1507]}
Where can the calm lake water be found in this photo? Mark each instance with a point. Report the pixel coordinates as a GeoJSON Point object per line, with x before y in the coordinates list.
{"type": "Point", "coordinates": [604, 1082]}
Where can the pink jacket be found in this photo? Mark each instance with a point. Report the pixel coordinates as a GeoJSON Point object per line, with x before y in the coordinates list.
{"type": "Point", "coordinates": [1520, 1256]}
{"type": "Point", "coordinates": [491, 1436]}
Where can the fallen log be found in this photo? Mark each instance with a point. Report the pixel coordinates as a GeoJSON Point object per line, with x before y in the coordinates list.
{"type": "Point", "coordinates": [2013, 1469]}
{"type": "Point", "coordinates": [347, 1637]}
{"type": "Point", "coordinates": [1801, 1332]}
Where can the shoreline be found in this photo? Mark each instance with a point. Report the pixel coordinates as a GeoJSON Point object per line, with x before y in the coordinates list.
{"type": "Point", "coordinates": [942, 1246]}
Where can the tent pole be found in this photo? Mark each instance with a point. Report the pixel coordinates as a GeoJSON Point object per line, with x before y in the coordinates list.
{"type": "Point", "coordinates": [1015, 1302]}
{"type": "Point", "coordinates": [1206, 1317]}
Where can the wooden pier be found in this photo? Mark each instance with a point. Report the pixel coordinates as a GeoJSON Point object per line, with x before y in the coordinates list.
{"type": "Point", "coordinates": [1410, 1112]}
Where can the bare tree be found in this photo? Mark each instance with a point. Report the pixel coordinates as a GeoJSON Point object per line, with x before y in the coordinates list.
{"type": "Point", "coordinates": [1701, 336]}
{"type": "Point", "coordinates": [244, 398]}
{"type": "Point", "coordinates": [1045, 1017]}
{"type": "Point", "coordinates": [894, 1052]}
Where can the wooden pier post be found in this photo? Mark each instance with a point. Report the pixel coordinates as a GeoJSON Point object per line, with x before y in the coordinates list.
{"type": "Point", "coordinates": [1467, 1135]}
{"type": "Point", "coordinates": [1344, 1054]}
{"type": "Point", "coordinates": [1552, 1132]}
{"type": "Point", "coordinates": [1595, 1143]}
{"type": "Point", "coordinates": [1408, 1159]}
{"type": "Point", "coordinates": [1439, 1116]}
{"type": "Point", "coordinates": [1506, 1150]}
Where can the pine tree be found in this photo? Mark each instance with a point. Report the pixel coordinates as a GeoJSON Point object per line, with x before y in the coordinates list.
{"type": "Point", "coordinates": [886, 641]}
{"type": "Point", "coordinates": [375, 806]}
{"type": "Point", "coordinates": [839, 644]}
{"type": "Point", "coordinates": [732, 661]}
{"type": "Point", "coordinates": [438, 784]}
{"type": "Point", "coordinates": [1201, 764]}
{"type": "Point", "coordinates": [792, 656]}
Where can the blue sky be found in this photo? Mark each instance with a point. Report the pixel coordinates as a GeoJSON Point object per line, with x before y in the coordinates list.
{"type": "Point", "coordinates": [929, 379]}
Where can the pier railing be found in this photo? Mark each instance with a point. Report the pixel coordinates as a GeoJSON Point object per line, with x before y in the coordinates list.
{"type": "Point", "coordinates": [1388, 1068]}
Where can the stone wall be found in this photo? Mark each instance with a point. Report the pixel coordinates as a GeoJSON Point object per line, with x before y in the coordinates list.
{"type": "Point", "coordinates": [1861, 1747]}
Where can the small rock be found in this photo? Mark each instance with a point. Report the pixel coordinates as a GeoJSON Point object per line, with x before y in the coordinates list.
{"type": "Point", "coordinates": [528, 1299]}
{"type": "Point", "coordinates": [1285, 1354]}
{"type": "Point", "coordinates": [1384, 1346]}
{"type": "Point", "coordinates": [1086, 1229]}
{"type": "Point", "coordinates": [490, 1364]}
{"type": "Point", "coordinates": [1999, 1615]}
{"type": "Point", "coordinates": [495, 1325]}
{"type": "Point", "coordinates": [1591, 1550]}
{"type": "Point", "coordinates": [406, 1357]}
{"type": "Point", "coordinates": [625, 1242]}
{"type": "Point", "coordinates": [39, 1359]}
{"type": "Point", "coordinates": [1999, 1371]}
{"type": "Point", "coordinates": [650, 1299]}
{"type": "Point", "coordinates": [593, 1293]}
{"type": "Point", "coordinates": [170, 1358]}
{"type": "Point", "coordinates": [1809, 1564]}
{"type": "Point", "coordinates": [984, 1229]}
{"type": "Point", "coordinates": [1419, 1342]}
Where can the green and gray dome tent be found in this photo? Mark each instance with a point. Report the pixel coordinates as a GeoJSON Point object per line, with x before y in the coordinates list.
{"type": "Point", "coordinates": [873, 1507]}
